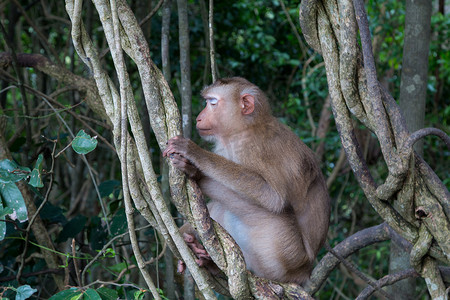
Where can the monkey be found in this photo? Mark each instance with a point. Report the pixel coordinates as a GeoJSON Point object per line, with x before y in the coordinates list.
{"type": "Point", "coordinates": [264, 184]}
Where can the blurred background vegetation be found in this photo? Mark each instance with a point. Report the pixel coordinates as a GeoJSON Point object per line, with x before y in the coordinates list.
{"type": "Point", "coordinates": [259, 40]}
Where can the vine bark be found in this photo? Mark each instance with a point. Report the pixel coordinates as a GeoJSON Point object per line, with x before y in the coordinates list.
{"type": "Point", "coordinates": [422, 217]}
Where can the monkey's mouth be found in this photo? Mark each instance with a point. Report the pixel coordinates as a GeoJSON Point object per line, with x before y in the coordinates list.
{"type": "Point", "coordinates": [204, 132]}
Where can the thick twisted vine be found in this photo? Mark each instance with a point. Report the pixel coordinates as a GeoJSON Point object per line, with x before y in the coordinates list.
{"type": "Point", "coordinates": [110, 98]}
{"type": "Point", "coordinates": [330, 28]}
{"type": "Point", "coordinates": [141, 179]}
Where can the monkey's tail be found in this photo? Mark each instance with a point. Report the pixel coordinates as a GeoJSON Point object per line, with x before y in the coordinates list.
{"type": "Point", "coordinates": [310, 253]}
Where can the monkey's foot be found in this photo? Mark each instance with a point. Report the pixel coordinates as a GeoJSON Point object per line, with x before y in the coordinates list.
{"type": "Point", "coordinates": [202, 257]}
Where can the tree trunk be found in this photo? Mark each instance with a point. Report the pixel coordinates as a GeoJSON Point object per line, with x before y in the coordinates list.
{"type": "Point", "coordinates": [185, 66]}
{"type": "Point", "coordinates": [413, 90]}
{"type": "Point", "coordinates": [413, 87]}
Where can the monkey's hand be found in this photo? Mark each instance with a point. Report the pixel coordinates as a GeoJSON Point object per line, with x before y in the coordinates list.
{"type": "Point", "coordinates": [178, 150]}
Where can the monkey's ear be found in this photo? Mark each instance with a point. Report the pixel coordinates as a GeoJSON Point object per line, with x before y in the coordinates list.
{"type": "Point", "coordinates": [247, 104]}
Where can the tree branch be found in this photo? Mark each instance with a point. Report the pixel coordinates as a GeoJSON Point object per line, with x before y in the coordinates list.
{"type": "Point", "coordinates": [345, 248]}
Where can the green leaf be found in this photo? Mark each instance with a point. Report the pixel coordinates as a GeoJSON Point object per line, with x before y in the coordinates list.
{"type": "Point", "coordinates": [36, 179]}
{"type": "Point", "coordinates": [108, 294]}
{"type": "Point", "coordinates": [91, 294]}
{"type": "Point", "coordinates": [52, 213]}
{"type": "Point", "coordinates": [36, 176]}
{"type": "Point", "coordinates": [70, 294]}
{"type": "Point", "coordinates": [12, 172]}
{"type": "Point", "coordinates": [106, 188]}
{"type": "Point", "coordinates": [18, 143]}
{"type": "Point", "coordinates": [6, 211]}
{"type": "Point", "coordinates": [72, 228]}
{"type": "Point", "coordinates": [161, 294]}
{"type": "Point", "coordinates": [139, 295]}
{"type": "Point", "coordinates": [98, 234]}
{"type": "Point", "coordinates": [38, 164]}
{"type": "Point", "coordinates": [14, 200]}
{"type": "Point", "coordinates": [119, 223]}
{"type": "Point", "coordinates": [24, 292]}
{"type": "Point", "coordinates": [117, 268]}
{"type": "Point", "coordinates": [109, 252]}
{"type": "Point", "coordinates": [83, 143]}
{"type": "Point", "coordinates": [3, 213]}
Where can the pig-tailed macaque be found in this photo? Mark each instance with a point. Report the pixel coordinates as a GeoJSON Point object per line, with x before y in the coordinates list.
{"type": "Point", "coordinates": [265, 186]}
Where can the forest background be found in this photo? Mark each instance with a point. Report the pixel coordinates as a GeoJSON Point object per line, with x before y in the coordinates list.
{"type": "Point", "coordinates": [43, 107]}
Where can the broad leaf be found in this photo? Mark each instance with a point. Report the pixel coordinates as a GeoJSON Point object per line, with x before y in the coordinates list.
{"type": "Point", "coordinates": [36, 179]}
{"type": "Point", "coordinates": [14, 200]}
{"type": "Point", "coordinates": [107, 294]}
{"type": "Point", "coordinates": [24, 292]}
{"type": "Point", "coordinates": [106, 188]}
{"type": "Point", "coordinates": [3, 213]}
{"type": "Point", "coordinates": [36, 174]}
{"type": "Point", "coordinates": [70, 294]}
{"type": "Point", "coordinates": [72, 228]}
{"type": "Point", "coordinates": [12, 172]}
{"type": "Point", "coordinates": [91, 294]}
{"type": "Point", "coordinates": [83, 143]}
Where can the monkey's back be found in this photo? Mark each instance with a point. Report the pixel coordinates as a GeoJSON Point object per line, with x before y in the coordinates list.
{"type": "Point", "coordinates": [288, 165]}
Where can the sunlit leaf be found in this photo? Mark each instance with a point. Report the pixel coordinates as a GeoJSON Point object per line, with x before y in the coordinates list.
{"type": "Point", "coordinates": [24, 292]}
{"type": "Point", "coordinates": [91, 294]}
{"type": "Point", "coordinates": [36, 179]}
{"type": "Point", "coordinates": [83, 143]}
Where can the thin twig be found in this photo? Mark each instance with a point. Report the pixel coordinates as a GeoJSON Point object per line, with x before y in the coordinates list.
{"type": "Point", "coordinates": [305, 93]}
{"type": "Point", "coordinates": [103, 251]}
{"type": "Point", "coordinates": [212, 52]}
{"type": "Point", "coordinates": [386, 280]}
{"type": "Point", "coordinates": [36, 214]}
{"type": "Point", "coordinates": [75, 261]}
{"type": "Point", "coordinates": [62, 108]}
{"type": "Point", "coordinates": [37, 29]}
{"type": "Point", "coordinates": [294, 30]}
{"type": "Point", "coordinates": [20, 83]}
{"type": "Point", "coordinates": [351, 267]}
{"type": "Point", "coordinates": [150, 15]}
{"type": "Point", "coordinates": [83, 157]}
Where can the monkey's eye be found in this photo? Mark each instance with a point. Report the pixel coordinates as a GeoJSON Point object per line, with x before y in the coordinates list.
{"type": "Point", "coordinates": [212, 101]}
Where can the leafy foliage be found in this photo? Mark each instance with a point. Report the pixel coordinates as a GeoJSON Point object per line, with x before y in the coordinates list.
{"type": "Point", "coordinates": [254, 40]}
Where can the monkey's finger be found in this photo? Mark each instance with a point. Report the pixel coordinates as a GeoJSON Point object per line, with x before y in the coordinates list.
{"type": "Point", "coordinates": [166, 152]}
{"type": "Point", "coordinates": [200, 262]}
{"type": "Point", "coordinates": [181, 267]}
{"type": "Point", "coordinates": [169, 149]}
{"type": "Point", "coordinates": [179, 157]}
{"type": "Point", "coordinates": [177, 162]}
{"type": "Point", "coordinates": [198, 249]}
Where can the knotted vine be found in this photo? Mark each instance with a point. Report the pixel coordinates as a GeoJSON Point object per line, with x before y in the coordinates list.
{"type": "Point", "coordinates": [422, 202]}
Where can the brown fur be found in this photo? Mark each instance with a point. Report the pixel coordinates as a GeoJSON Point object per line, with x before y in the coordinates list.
{"type": "Point", "coordinates": [264, 183]}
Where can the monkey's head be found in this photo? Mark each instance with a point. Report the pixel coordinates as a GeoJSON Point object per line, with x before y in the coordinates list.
{"type": "Point", "coordinates": [232, 105]}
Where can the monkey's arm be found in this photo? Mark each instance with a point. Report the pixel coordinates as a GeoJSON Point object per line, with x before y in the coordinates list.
{"type": "Point", "coordinates": [242, 180]}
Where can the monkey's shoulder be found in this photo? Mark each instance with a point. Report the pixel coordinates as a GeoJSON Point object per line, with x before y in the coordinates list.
{"type": "Point", "coordinates": [276, 145]}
